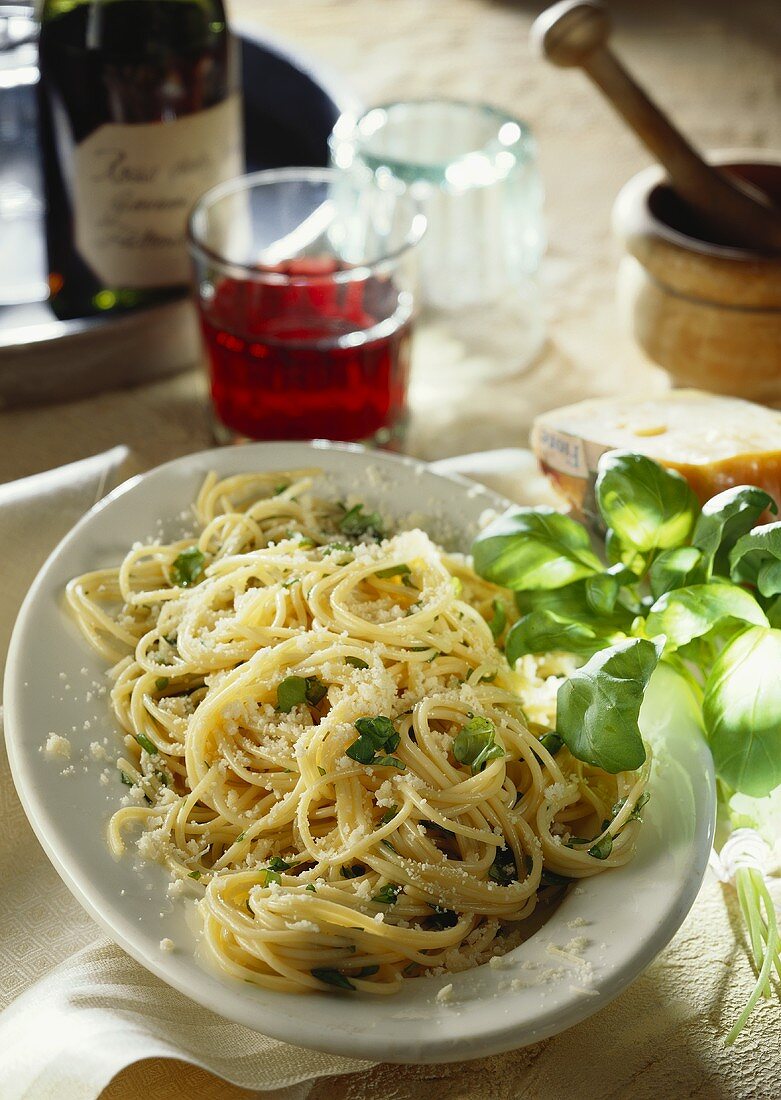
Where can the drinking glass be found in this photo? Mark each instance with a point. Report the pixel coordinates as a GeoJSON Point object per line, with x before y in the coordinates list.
{"type": "Point", "coordinates": [305, 284]}
{"type": "Point", "coordinates": [473, 168]}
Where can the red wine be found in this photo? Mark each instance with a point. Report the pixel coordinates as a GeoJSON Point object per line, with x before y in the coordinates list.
{"type": "Point", "coordinates": [306, 360]}
{"type": "Point", "coordinates": [138, 117]}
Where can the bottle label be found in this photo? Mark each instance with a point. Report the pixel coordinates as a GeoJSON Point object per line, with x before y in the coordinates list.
{"type": "Point", "coordinates": [134, 186]}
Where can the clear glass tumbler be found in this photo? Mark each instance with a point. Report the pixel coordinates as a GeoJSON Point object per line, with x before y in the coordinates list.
{"type": "Point", "coordinates": [305, 284]}
{"type": "Point", "coordinates": [473, 168]}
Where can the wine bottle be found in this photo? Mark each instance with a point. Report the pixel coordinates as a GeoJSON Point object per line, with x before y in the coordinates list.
{"type": "Point", "coordinates": [139, 115]}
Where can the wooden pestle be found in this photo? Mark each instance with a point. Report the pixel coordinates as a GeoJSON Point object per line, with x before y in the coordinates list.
{"type": "Point", "coordinates": [574, 33]}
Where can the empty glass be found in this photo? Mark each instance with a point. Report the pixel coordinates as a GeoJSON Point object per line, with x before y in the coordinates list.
{"type": "Point", "coordinates": [473, 169]}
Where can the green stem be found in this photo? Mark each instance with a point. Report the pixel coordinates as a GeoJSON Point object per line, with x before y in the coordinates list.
{"type": "Point", "coordinates": [753, 894]}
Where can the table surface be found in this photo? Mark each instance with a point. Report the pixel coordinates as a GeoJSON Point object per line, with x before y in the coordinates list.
{"type": "Point", "coordinates": [692, 55]}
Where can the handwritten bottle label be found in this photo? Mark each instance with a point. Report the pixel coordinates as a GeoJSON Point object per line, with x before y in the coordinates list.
{"type": "Point", "coordinates": [134, 186]}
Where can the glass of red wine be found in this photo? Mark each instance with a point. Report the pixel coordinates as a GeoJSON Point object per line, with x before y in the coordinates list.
{"type": "Point", "coordinates": [305, 284]}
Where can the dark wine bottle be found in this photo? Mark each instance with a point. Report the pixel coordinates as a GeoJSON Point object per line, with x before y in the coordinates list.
{"type": "Point", "coordinates": [139, 115]}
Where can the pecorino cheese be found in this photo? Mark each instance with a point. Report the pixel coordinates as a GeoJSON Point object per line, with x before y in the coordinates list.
{"type": "Point", "coordinates": [714, 441]}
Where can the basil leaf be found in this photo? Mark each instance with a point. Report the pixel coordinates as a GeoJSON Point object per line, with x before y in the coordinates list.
{"type": "Point", "coordinates": [389, 762]}
{"type": "Point", "coordinates": [188, 567]}
{"type": "Point", "coordinates": [366, 971]}
{"type": "Point", "coordinates": [543, 631]}
{"type": "Point", "coordinates": [724, 519]}
{"type": "Point", "coordinates": [356, 522]}
{"type": "Point", "coordinates": [146, 744]}
{"type": "Point", "coordinates": [441, 918]}
{"type": "Point", "coordinates": [677, 568]}
{"type": "Point", "coordinates": [742, 711]}
{"type": "Point", "coordinates": [503, 869]}
{"type": "Point", "coordinates": [498, 621]}
{"type": "Point", "coordinates": [377, 730]}
{"type": "Point", "coordinates": [270, 876]}
{"type": "Point", "coordinates": [353, 871]}
{"type": "Point", "coordinates": [332, 977]}
{"type": "Point", "coordinates": [393, 571]}
{"type": "Point", "coordinates": [277, 863]}
{"type": "Point", "coordinates": [389, 814]}
{"type": "Point", "coordinates": [598, 706]}
{"type": "Point", "coordinates": [602, 592]}
{"type": "Point", "coordinates": [387, 894]}
{"type": "Point", "coordinates": [362, 751]}
{"type": "Point", "coordinates": [691, 612]}
{"type": "Point", "coordinates": [647, 506]}
{"type": "Point", "coordinates": [161, 683]}
{"type": "Point", "coordinates": [315, 690]}
{"type": "Point", "coordinates": [755, 558]}
{"type": "Point", "coordinates": [603, 847]}
{"type": "Point", "coordinates": [291, 693]}
{"type": "Point", "coordinates": [356, 662]}
{"type": "Point", "coordinates": [552, 742]}
{"type": "Point", "coordinates": [474, 744]}
{"type": "Point", "coordinates": [531, 548]}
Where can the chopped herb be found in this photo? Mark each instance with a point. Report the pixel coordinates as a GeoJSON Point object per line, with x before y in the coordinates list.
{"type": "Point", "coordinates": [279, 489]}
{"type": "Point", "coordinates": [194, 874]}
{"type": "Point", "coordinates": [475, 744]}
{"type": "Point", "coordinates": [441, 918]}
{"type": "Point", "coordinates": [291, 693]}
{"type": "Point", "coordinates": [126, 779]}
{"type": "Point", "coordinates": [161, 682]}
{"type": "Point", "coordinates": [387, 894]}
{"type": "Point", "coordinates": [420, 648]}
{"type": "Point", "coordinates": [356, 662]}
{"type": "Point", "coordinates": [401, 570]}
{"type": "Point", "coordinates": [321, 770]}
{"type": "Point", "coordinates": [637, 810]}
{"type": "Point", "coordinates": [356, 522]}
{"type": "Point", "coordinates": [146, 744]}
{"type": "Point", "coordinates": [503, 869]}
{"type": "Point", "coordinates": [551, 878]}
{"type": "Point", "coordinates": [332, 977]}
{"type": "Point", "coordinates": [389, 762]}
{"type": "Point", "coordinates": [316, 691]}
{"type": "Point", "coordinates": [435, 827]}
{"type": "Point", "coordinates": [162, 777]}
{"type": "Point", "coordinates": [389, 815]}
{"type": "Point", "coordinates": [277, 863]}
{"type": "Point", "coordinates": [295, 690]}
{"type": "Point", "coordinates": [336, 548]}
{"type": "Point", "coordinates": [499, 620]}
{"type": "Point", "coordinates": [354, 871]}
{"type": "Point", "coordinates": [239, 838]}
{"type": "Point", "coordinates": [188, 567]}
{"type": "Point", "coordinates": [376, 734]}
{"type": "Point", "coordinates": [270, 876]}
{"type": "Point", "coordinates": [311, 888]}
{"type": "Point", "coordinates": [291, 582]}
{"type": "Point", "coordinates": [552, 742]}
{"type": "Point", "coordinates": [410, 969]}
{"type": "Point", "coordinates": [603, 848]}
{"type": "Point", "coordinates": [388, 844]}
{"type": "Point", "coordinates": [366, 971]}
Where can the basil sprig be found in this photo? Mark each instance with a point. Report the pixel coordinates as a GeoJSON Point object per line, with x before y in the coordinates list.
{"type": "Point", "coordinates": [672, 582]}
{"type": "Point", "coordinates": [475, 744]}
{"type": "Point", "coordinates": [295, 690]}
{"type": "Point", "coordinates": [377, 734]}
{"type": "Point", "coordinates": [188, 567]}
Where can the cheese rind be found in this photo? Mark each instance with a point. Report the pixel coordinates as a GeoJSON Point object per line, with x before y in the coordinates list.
{"type": "Point", "coordinates": [714, 441]}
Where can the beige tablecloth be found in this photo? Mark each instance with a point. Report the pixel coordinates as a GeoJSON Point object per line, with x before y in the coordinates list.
{"type": "Point", "coordinates": [713, 62]}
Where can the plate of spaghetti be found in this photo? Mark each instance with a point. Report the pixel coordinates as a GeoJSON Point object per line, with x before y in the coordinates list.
{"type": "Point", "coordinates": [260, 716]}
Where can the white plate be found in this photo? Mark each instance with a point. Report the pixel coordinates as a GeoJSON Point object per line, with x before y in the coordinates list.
{"type": "Point", "coordinates": [627, 915]}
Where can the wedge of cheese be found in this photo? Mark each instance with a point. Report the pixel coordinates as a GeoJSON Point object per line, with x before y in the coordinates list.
{"type": "Point", "coordinates": [714, 441]}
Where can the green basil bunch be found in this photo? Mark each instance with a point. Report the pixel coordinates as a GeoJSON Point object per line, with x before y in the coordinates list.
{"type": "Point", "coordinates": [698, 588]}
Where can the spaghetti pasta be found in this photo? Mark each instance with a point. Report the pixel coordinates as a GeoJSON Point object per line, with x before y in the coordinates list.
{"type": "Point", "coordinates": [324, 740]}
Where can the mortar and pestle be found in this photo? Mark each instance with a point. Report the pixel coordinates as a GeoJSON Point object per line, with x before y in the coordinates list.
{"type": "Point", "coordinates": [701, 284]}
